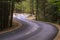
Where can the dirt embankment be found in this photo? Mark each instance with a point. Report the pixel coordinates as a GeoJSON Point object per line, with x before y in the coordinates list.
{"type": "Point", "coordinates": [15, 25]}
{"type": "Point", "coordinates": [58, 35]}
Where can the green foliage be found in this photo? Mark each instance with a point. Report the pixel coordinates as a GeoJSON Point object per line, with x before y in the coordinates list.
{"type": "Point", "coordinates": [53, 11]}
{"type": "Point", "coordinates": [18, 5]}
{"type": "Point", "coordinates": [24, 6]}
{"type": "Point", "coordinates": [48, 10]}
{"type": "Point", "coordinates": [51, 7]}
{"type": "Point", "coordinates": [17, 0]}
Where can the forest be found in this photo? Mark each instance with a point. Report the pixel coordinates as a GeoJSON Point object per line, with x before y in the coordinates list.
{"type": "Point", "coordinates": [45, 10]}
{"type": "Point", "coordinates": [15, 25]}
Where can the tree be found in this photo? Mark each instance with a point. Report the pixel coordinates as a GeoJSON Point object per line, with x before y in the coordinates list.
{"type": "Point", "coordinates": [32, 6]}
{"type": "Point", "coordinates": [52, 11]}
{"type": "Point", "coordinates": [4, 14]}
{"type": "Point", "coordinates": [40, 9]}
{"type": "Point", "coordinates": [6, 11]}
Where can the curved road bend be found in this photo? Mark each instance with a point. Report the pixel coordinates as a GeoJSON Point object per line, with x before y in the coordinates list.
{"type": "Point", "coordinates": [32, 30]}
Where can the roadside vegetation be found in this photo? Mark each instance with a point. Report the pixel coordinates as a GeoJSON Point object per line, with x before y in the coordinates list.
{"type": "Point", "coordinates": [47, 10]}
{"type": "Point", "coordinates": [43, 10]}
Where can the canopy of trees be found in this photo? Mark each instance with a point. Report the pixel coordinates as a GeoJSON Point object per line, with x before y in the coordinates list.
{"type": "Point", "coordinates": [48, 10]}
{"type": "Point", "coordinates": [45, 10]}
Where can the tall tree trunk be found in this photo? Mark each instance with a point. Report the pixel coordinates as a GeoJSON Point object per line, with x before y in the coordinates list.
{"type": "Point", "coordinates": [40, 9]}
{"type": "Point", "coordinates": [12, 9]}
{"type": "Point", "coordinates": [32, 7]}
{"type": "Point", "coordinates": [4, 14]}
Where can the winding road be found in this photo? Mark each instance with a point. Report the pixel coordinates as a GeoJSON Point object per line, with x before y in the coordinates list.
{"type": "Point", "coordinates": [31, 30]}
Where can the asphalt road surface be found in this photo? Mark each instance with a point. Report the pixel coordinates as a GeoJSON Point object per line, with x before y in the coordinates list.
{"type": "Point", "coordinates": [31, 30]}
